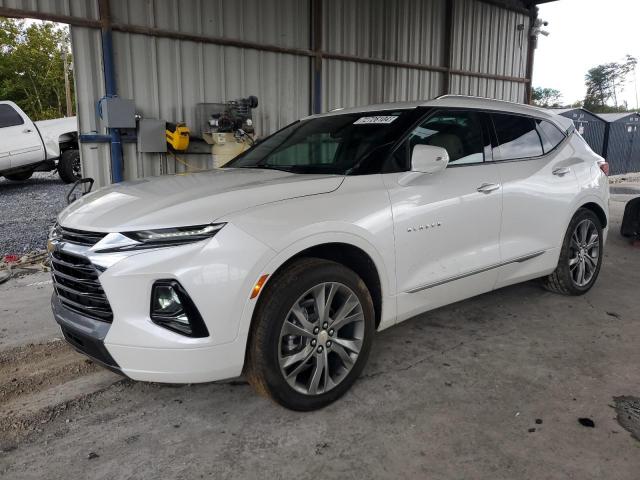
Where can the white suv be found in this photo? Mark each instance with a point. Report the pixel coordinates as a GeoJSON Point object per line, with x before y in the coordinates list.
{"type": "Point", "coordinates": [283, 264]}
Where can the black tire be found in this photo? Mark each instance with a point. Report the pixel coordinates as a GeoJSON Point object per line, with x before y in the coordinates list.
{"type": "Point", "coordinates": [69, 166]}
{"type": "Point", "coordinates": [561, 280]}
{"type": "Point", "coordinates": [19, 177]}
{"type": "Point", "coordinates": [262, 367]}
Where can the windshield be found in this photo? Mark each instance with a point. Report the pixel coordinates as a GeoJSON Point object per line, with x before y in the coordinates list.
{"type": "Point", "coordinates": [344, 144]}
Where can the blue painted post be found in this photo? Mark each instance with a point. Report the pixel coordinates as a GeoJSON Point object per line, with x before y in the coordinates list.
{"type": "Point", "coordinates": [110, 87]}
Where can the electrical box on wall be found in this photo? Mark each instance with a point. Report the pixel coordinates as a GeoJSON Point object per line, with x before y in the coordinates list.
{"type": "Point", "coordinates": [118, 112]}
{"type": "Point", "coordinates": [152, 135]}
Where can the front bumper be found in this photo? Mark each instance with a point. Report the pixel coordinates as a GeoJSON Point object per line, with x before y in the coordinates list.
{"type": "Point", "coordinates": [217, 275]}
{"type": "Point", "coordinates": [84, 334]}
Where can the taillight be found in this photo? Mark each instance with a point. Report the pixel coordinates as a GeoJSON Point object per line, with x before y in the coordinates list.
{"type": "Point", "coordinates": [604, 166]}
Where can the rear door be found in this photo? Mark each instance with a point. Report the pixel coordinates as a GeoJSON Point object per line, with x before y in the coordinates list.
{"type": "Point", "coordinates": [20, 142]}
{"type": "Point", "coordinates": [446, 224]}
{"type": "Point", "coordinates": [538, 175]}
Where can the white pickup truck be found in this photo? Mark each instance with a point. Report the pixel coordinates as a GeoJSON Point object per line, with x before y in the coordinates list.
{"type": "Point", "coordinates": [27, 146]}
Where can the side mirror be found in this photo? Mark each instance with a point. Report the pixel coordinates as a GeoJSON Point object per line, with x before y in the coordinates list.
{"type": "Point", "coordinates": [429, 159]}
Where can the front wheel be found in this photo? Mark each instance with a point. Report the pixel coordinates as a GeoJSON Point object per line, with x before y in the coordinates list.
{"type": "Point", "coordinates": [580, 256]}
{"type": "Point", "coordinates": [313, 330]}
{"type": "Point", "coordinates": [69, 166]}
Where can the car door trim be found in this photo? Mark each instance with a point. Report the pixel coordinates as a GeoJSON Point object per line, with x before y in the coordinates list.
{"type": "Point", "coordinates": [460, 276]}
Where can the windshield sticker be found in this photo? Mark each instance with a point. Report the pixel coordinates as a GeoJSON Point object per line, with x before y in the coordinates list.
{"type": "Point", "coordinates": [375, 120]}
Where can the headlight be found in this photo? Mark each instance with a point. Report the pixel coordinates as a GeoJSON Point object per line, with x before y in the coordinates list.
{"type": "Point", "coordinates": [172, 236]}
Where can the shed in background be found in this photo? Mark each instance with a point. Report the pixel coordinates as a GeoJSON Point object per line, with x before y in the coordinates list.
{"type": "Point", "coordinates": [589, 125]}
{"type": "Point", "coordinates": [622, 142]}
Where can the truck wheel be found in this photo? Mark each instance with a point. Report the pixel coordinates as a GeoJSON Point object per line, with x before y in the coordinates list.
{"type": "Point", "coordinates": [19, 177]}
{"type": "Point", "coordinates": [312, 333]}
{"type": "Point", "coordinates": [580, 256]}
{"type": "Point", "coordinates": [69, 166]}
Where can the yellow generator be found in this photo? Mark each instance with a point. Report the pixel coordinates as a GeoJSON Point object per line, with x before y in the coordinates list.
{"type": "Point", "coordinates": [227, 127]}
{"type": "Point", "coordinates": [177, 136]}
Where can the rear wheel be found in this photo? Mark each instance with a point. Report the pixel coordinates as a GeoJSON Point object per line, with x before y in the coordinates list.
{"type": "Point", "coordinates": [69, 166]}
{"type": "Point", "coordinates": [19, 177]}
{"type": "Point", "coordinates": [580, 257]}
{"type": "Point", "coordinates": [312, 334]}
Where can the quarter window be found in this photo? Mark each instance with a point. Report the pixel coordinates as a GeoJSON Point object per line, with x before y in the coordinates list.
{"type": "Point", "coordinates": [9, 117]}
{"type": "Point", "coordinates": [517, 137]}
{"type": "Point", "coordinates": [459, 133]}
{"type": "Point", "coordinates": [550, 134]}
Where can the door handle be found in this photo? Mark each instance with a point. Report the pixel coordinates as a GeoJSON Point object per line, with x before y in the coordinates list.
{"type": "Point", "coordinates": [27, 130]}
{"type": "Point", "coordinates": [561, 171]}
{"type": "Point", "coordinates": [488, 187]}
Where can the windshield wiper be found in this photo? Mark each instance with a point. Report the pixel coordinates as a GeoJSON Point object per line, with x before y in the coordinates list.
{"type": "Point", "coordinates": [284, 168]}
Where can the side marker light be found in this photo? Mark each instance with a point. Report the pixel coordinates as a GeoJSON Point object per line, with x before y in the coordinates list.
{"type": "Point", "coordinates": [258, 286]}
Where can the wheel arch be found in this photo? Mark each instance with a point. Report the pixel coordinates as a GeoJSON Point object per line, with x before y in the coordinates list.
{"type": "Point", "coordinates": [352, 257]}
{"type": "Point", "coordinates": [345, 253]}
{"type": "Point", "coordinates": [599, 212]}
{"type": "Point", "coordinates": [68, 141]}
{"type": "Point", "coordinates": [352, 251]}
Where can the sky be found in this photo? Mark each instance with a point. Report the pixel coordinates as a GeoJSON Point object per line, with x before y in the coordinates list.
{"type": "Point", "coordinates": [583, 34]}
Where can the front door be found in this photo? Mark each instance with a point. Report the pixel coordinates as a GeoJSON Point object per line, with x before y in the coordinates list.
{"type": "Point", "coordinates": [446, 224]}
{"type": "Point", "coordinates": [19, 141]}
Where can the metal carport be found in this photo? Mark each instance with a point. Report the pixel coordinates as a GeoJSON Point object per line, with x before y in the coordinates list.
{"type": "Point", "coordinates": [298, 57]}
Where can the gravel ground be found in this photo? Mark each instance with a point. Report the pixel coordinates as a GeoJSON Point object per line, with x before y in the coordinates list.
{"type": "Point", "coordinates": [28, 209]}
{"type": "Point", "coordinates": [625, 177]}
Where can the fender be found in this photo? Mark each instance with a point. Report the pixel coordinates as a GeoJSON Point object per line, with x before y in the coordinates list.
{"type": "Point", "coordinates": [304, 243]}
{"type": "Point", "coordinates": [577, 204]}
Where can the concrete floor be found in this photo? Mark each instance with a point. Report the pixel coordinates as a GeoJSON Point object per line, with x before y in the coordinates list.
{"type": "Point", "coordinates": [451, 394]}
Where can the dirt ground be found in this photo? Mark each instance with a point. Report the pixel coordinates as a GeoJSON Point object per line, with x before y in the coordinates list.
{"type": "Point", "coordinates": [490, 388]}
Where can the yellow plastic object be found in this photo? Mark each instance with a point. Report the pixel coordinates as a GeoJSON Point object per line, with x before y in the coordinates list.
{"type": "Point", "coordinates": [178, 136]}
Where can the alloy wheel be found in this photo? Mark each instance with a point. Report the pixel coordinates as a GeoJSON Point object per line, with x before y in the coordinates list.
{"type": "Point", "coordinates": [584, 253]}
{"type": "Point", "coordinates": [321, 338]}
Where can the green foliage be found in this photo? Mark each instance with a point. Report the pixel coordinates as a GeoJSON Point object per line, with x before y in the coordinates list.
{"type": "Point", "coordinates": [604, 83]}
{"type": "Point", "coordinates": [32, 67]}
{"type": "Point", "coordinates": [546, 97]}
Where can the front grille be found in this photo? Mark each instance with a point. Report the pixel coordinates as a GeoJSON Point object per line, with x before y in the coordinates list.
{"type": "Point", "coordinates": [75, 280]}
{"type": "Point", "coordinates": [80, 237]}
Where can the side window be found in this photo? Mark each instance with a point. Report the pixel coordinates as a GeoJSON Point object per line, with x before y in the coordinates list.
{"type": "Point", "coordinates": [9, 117]}
{"type": "Point", "coordinates": [458, 132]}
{"type": "Point", "coordinates": [550, 134]}
{"type": "Point", "coordinates": [517, 137]}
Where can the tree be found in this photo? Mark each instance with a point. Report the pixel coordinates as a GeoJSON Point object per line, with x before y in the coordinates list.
{"type": "Point", "coordinates": [32, 67]}
{"type": "Point", "coordinates": [546, 97]}
{"type": "Point", "coordinates": [604, 83]}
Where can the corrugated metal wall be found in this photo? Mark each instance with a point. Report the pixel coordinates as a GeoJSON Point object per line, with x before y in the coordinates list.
{"type": "Point", "coordinates": [399, 30]}
{"type": "Point", "coordinates": [76, 8]}
{"type": "Point", "coordinates": [490, 40]}
{"type": "Point", "coordinates": [168, 77]}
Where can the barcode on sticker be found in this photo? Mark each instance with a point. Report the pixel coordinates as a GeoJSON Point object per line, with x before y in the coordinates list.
{"type": "Point", "coordinates": [378, 119]}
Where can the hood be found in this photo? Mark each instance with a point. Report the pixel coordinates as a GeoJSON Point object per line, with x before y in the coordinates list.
{"type": "Point", "coordinates": [188, 199]}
